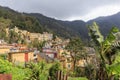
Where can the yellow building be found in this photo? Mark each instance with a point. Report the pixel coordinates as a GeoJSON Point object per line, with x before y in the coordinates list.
{"type": "Point", "coordinates": [21, 57]}
{"type": "Point", "coordinates": [5, 48]}
{"type": "Point", "coordinates": [65, 59]}
{"type": "Point", "coordinates": [7, 31]}
{"type": "Point", "coordinates": [67, 62]}
{"type": "Point", "coordinates": [63, 52]}
{"type": "Point", "coordinates": [31, 36]}
{"type": "Point", "coordinates": [34, 36]}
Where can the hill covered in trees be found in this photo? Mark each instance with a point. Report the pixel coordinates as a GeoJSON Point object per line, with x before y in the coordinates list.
{"type": "Point", "coordinates": [36, 22]}
{"type": "Point", "coordinates": [21, 20]}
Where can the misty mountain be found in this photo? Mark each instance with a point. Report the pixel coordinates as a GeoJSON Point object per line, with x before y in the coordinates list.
{"type": "Point", "coordinates": [79, 27]}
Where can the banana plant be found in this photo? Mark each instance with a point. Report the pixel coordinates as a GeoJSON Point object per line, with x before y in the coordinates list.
{"type": "Point", "coordinates": [105, 49]}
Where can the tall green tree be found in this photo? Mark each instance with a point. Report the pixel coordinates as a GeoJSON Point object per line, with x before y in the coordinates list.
{"type": "Point", "coordinates": [14, 37]}
{"type": "Point", "coordinates": [75, 47]}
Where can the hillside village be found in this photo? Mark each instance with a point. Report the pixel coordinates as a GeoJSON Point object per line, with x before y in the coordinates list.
{"type": "Point", "coordinates": [31, 36]}
{"type": "Point", "coordinates": [63, 58]}
{"type": "Point", "coordinates": [52, 50]}
{"type": "Point", "coordinates": [59, 40]}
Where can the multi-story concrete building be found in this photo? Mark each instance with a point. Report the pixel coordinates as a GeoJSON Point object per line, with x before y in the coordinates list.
{"type": "Point", "coordinates": [32, 36]}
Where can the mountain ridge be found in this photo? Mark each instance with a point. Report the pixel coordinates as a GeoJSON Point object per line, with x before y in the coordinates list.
{"type": "Point", "coordinates": [36, 22]}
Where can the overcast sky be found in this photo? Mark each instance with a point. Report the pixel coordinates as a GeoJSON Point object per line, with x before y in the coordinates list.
{"type": "Point", "coordinates": [66, 9]}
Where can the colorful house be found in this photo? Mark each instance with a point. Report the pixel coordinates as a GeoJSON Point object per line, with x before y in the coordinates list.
{"type": "Point", "coordinates": [22, 56]}
{"type": "Point", "coordinates": [66, 59]}
{"type": "Point", "coordinates": [50, 52]}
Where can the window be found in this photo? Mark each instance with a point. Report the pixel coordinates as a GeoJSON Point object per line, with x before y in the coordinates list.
{"type": "Point", "coordinates": [34, 55]}
{"type": "Point", "coordinates": [69, 66]}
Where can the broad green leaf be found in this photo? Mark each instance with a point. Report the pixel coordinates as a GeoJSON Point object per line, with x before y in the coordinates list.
{"type": "Point", "coordinates": [115, 30]}
{"type": "Point", "coordinates": [114, 68]}
{"type": "Point", "coordinates": [111, 38]}
{"type": "Point", "coordinates": [95, 33]}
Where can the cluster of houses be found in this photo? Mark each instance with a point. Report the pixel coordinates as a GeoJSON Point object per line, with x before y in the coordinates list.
{"type": "Point", "coordinates": [52, 50]}
{"type": "Point", "coordinates": [17, 53]}
{"type": "Point", "coordinates": [20, 54]}
{"type": "Point", "coordinates": [31, 36]}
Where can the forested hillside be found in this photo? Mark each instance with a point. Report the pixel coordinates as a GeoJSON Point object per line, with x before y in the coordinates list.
{"type": "Point", "coordinates": [36, 22]}
{"type": "Point", "coordinates": [63, 28]}
{"type": "Point", "coordinates": [39, 23]}
{"type": "Point", "coordinates": [20, 20]}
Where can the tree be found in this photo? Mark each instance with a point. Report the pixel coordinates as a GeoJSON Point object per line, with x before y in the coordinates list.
{"type": "Point", "coordinates": [104, 50]}
{"type": "Point", "coordinates": [37, 70]}
{"type": "Point", "coordinates": [53, 70]}
{"type": "Point", "coordinates": [18, 73]}
{"type": "Point", "coordinates": [4, 23]}
{"type": "Point", "coordinates": [39, 45]}
{"type": "Point", "coordinates": [75, 47]}
{"type": "Point", "coordinates": [14, 37]}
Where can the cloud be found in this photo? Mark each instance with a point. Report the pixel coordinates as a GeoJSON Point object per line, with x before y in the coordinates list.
{"type": "Point", "coordinates": [61, 9]}
{"type": "Point", "coordinates": [97, 12]}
